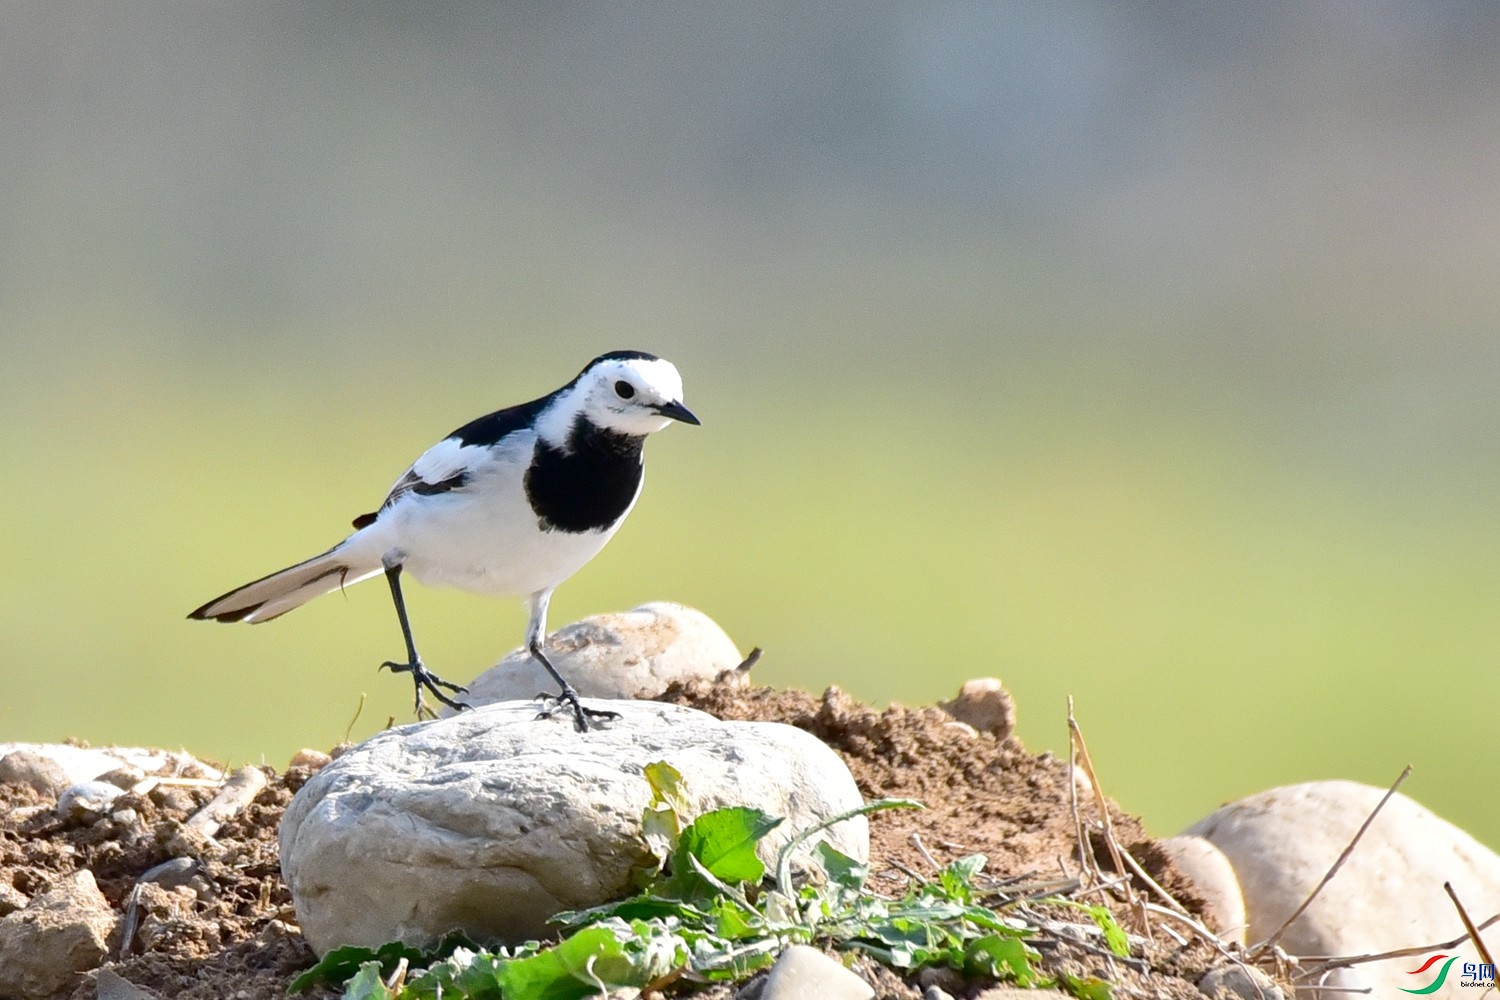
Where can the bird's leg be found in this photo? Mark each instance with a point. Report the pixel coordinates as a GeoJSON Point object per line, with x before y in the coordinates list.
{"type": "Point", "coordinates": [535, 633]}
{"type": "Point", "coordinates": [420, 675]}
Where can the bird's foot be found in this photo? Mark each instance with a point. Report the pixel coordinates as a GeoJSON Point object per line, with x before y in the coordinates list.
{"type": "Point", "coordinates": [581, 713]}
{"type": "Point", "coordinates": [423, 678]}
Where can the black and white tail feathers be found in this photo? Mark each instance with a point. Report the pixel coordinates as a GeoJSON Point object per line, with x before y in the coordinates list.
{"type": "Point", "coordinates": [282, 591]}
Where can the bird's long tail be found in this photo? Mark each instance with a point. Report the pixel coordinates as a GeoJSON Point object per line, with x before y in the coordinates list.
{"type": "Point", "coordinates": [270, 596]}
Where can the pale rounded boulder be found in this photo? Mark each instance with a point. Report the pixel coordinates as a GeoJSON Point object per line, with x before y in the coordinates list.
{"type": "Point", "coordinates": [631, 654]}
{"type": "Point", "coordinates": [1388, 895]}
{"type": "Point", "coordinates": [1215, 880]}
{"type": "Point", "coordinates": [492, 820]}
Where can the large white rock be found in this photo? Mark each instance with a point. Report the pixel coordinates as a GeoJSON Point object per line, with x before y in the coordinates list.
{"type": "Point", "coordinates": [491, 820]}
{"type": "Point", "coordinates": [636, 653]}
{"type": "Point", "coordinates": [1388, 895]}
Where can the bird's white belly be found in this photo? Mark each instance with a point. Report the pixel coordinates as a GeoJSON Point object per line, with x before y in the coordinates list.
{"type": "Point", "coordinates": [487, 541]}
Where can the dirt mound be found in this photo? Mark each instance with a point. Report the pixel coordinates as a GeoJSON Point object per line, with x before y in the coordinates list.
{"type": "Point", "coordinates": [229, 931]}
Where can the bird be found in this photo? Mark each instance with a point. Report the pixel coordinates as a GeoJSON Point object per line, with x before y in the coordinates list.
{"type": "Point", "coordinates": [511, 504]}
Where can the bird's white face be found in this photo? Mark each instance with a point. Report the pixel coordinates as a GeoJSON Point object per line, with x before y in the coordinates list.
{"type": "Point", "coordinates": [634, 396]}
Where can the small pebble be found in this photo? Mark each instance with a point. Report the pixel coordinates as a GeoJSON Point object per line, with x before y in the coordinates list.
{"type": "Point", "coordinates": [1241, 982]}
{"type": "Point", "coordinates": [11, 899]}
{"type": "Point", "coordinates": [313, 760]}
{"type": "Point", "coordinates": [170, 874]}
{"type": "Point", "coordinates": [941, 978]}
{"type": "Point", "coordinates": [984, 704]}
{"type": "Point", "coordinates": [123, 777]}
{"type": "Point", "coordinates": [803, 973]}
{"type": "Point", "coordinates": [87, 800]}
{"type": "Point", "coordinates": [112, 986]}
{"type": "Point", "coordinates": [174, 799]}
{"type": "Point", "coordinates": [36, 771]}
{"type": "Point", "coordinates": [21, 815]}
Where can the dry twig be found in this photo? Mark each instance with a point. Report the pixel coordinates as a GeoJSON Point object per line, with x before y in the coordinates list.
{"type": "Point", "coordinates": [1270, 943]}
{"type": "Point", "coordinates": [916, 841]}
{"type": "Point", "coordinates": [1081, 751]}
{"type": "Point", "coordinates": [238, 792]}
{"type": "Point", "coordinates": [749, 661]}
{"type": "Point", "coordinates": [1463, 915]}
{"type": "Point", "coordinates": [1327, 963]}
{"type": "Point", "coordinates": [358, 711]}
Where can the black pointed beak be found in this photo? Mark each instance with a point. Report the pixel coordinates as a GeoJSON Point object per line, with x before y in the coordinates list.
{"type": "Point", "coordinates": [677, 411]}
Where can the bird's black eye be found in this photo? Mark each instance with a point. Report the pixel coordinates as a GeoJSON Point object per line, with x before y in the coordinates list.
{"type": "Point", "coordinates": [624, 389]}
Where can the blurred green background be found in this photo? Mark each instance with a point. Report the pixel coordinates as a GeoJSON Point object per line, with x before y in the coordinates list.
{"type": "Point", "coordinates": [1143, 354]}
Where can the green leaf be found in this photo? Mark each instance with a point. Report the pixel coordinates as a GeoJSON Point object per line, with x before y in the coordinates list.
{"type": "Point", "coordinates": [341, 964]}
{"type": "Point", "coordinates": [661, 822]}
{"type": "Point", "coordinates": [560, 973]}
{"type": "Point", "coordinates": [732, 921]}
{"type": "Point", "coordinates": [1114, 934]}
{"type": "Point", "coordinates": [957, 878]}
{"type": "Point", "coordinates": [465, 974]}
{"type": "Point", "coordinates": [595, 960]}
{"type": "Point", "coordinates": [1004, 957]}
{"type": "Point", "coordinates": [366, 984]}
{"type": "Point", "coordinates": [666, 786]}
{"type": "Point", "coordinates": [784, 858]}
{"type": "Point", "coordinates": [1087, 988]}
{"type": "Point", "coordinates": [842, 870]}
{"type": "Point", "coordinates": [656, 948]}
{"type": "Point", "coordinates": [542, 977]}
{"type": "Point", "coordinates": [724, 841]}
{"type": "Point", "coordinates": [635, 908]}
{"type": "Point", "coordinates": [597, 956]}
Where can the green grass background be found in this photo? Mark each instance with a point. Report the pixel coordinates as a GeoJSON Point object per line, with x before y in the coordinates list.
{"type": "Point", "coordinates": [1228, 614]}
{"type": "Point", "coordinates": [1145, 354]}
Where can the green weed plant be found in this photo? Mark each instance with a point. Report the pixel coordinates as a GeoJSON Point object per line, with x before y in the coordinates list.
{"type": "Point", "coordinates": [709, 912]}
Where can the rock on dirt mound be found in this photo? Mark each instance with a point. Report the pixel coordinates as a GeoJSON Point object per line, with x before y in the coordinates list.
{"type": "Point", "coordinates": [228, 930]}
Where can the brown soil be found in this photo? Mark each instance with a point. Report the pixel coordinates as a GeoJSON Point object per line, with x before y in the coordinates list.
{"type": "Point", "coordinates": [233, 934]}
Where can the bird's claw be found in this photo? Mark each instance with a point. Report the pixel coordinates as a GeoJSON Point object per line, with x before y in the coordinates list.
{"type": "Point", "coordinates": [424, 678]}
{"type": "Point", "coordinates": [581, 712]}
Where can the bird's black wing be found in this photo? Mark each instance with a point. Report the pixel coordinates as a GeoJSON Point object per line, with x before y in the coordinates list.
{"type": "Point", "coordinates": [446, 465]}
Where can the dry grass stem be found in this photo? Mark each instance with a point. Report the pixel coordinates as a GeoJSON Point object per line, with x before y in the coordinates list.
{"type": "Point", "coordinates": [916, 841]}
{"type": "Point", "coordinates": [1117, 854]}
{"type": "Point", "coordinates": [1463, 915]}
{"type": "Point", "coordinates": [1151, 883]}
{"type": "Point", "coordinates": [1341, 989]}
{"type": "Point", "coordinates": [1081, 751]}
{"type": "Point", "coordinates": [1086, 860]}
{"type": "Point", "coordinates": [1327, 963]}
{"type": "Point", "coordinates": [1271, 941]}
{"type": "Point", "coordinates": [359, 710]}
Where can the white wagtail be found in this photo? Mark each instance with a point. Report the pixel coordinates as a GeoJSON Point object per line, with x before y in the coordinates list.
{"type": "Point", "coordinates": [511, 504]}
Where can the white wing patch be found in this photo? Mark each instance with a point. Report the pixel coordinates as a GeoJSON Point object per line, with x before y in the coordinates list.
{"type": "Point", "coordinates": [446, 466]}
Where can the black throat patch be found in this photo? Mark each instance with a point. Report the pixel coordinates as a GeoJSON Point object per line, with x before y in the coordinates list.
{"type": "Point", "coordinates": [589, 485]}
